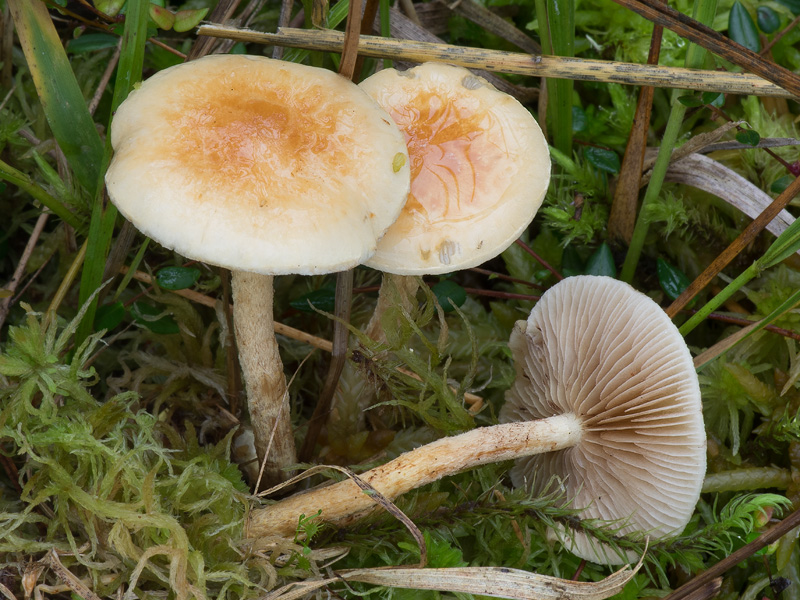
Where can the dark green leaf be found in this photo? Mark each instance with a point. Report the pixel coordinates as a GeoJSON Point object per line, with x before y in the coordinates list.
{"type": "Point", "coordinates": [768, 20]}
{"type": "Point", "coordinates": [578, 119]}
{"type": "Point", "coordinates": [713, 98]}
{"type": "Point", "coordinates": [147, 315]}
{"type": "Point", "coordinates": [109, 316]}
{"type": "Point", "coordinates": [449, 293]}
{"type": "Point", "coordinates": [690, 100]}
{"type": "Point", "coordinates": [601, 262]}
{"type": "Point", "coordinates": [571, 262]}
{"type": "Point", "coordinates": [792, 5]}
{"type": "Point", "coordinates": [322, 299]}
{"type": "Point", "coordinates": [781, 184]}
{"type": "Point", "coordinates": [749, 137]}
{"type": "Point", "coordinates": [602, 159]}
{"type": "Point", "coordinates": [742, 29]}
{"type": "Point", "coordinates": [672, 280]}
{"type": "Point", "coordinates": [177, 278]}
{"type": "Point", "coordinates": [90, 42]}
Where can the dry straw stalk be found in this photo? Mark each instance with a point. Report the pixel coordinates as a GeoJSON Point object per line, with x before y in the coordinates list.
{"type": "Point", "coordinates": [516, 63]}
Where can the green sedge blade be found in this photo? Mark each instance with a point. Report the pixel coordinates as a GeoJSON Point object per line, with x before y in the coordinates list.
{"type": "Point", "coordinates": [59, 92]}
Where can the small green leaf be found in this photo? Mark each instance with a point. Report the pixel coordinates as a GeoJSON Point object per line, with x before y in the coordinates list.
{"type": "Point", "coordinates": [672, 280]}
{"type": "Point", "coordinates": [162, 17]}
{"type": "Point", "coordinates": [716, 99]}
{"type": "Point", "coordinates": [742, 29]}
{"type": "Point", "coordinates": [109, 316]}
{"type": "Point", "coordinates": [780, 184]}
{"type": "Point", "coordinates": [449, 294]}
{"type": "Point", "coordinates": [690, 100]}
{"type": "Point", "coordinates": [768, 20]}
{"type": "Point", "coordinates": [749, 137]}
{"type": "Point", "coordinates": [188, 19]}
{"type": "Point", "coordinates": [601, 262]}
{"type": "Point", "coordinates": [177, 278]}
{"type": "Point", "coordinates": [109, 7]}
{"type": "Point", "coordinates": [91, 42]}
{"type": "Point", "coordinates": [147, 315]}
{"type": "Point", "coordinates": [602, 159]}
{"type": "Point", "coordinates": [322, 299]}
{"type": "Point", "coordinates": [792, 5]}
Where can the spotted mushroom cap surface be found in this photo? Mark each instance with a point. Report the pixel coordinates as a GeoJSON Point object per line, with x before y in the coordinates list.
{"type": "Point", "coordinates": [596, 347]}
{"type": "Point", "coordinates": [258, 165]}
{"type": "Point", "coordinates": [480, 168]}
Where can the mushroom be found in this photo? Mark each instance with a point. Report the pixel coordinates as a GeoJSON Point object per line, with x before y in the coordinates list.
{"type": "Point", "coordinates": [480, 168]}
{"type": "Point", "coordinates": [267, 168]}
{"type": "Point", "coordinates": [606, 400]}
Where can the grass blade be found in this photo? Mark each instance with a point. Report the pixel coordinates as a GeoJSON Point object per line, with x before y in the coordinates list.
{"type": "Point", "coordinates": [104, 215]}
{"type": "Point", "coordinates": [58, 90]}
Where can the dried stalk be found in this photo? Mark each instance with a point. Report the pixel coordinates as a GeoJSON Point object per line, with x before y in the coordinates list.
{"type": "Point", "coordinates": [513, 63]}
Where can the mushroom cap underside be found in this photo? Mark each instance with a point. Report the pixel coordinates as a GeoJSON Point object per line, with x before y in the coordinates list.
{"type": "Point", "coordinates": [595, 347]}
{"type": "Point", "coordinates": [480, 168]}
{"type": "Point", "coordinates": [258, 165]}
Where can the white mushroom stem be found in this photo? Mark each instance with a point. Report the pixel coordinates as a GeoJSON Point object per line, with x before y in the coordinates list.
{"type": "Point", "coordinates": [265, 383]}
{"type": "Point", "coordinates": [344, 502]}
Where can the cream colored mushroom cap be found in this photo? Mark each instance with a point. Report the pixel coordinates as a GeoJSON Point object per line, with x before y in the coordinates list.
{"type": "Point", "coordinates": [595, 347]}
{"type": "Point", "coordinates": [258, 165]}
{"type": "Point", "coordinates": [480, 168]}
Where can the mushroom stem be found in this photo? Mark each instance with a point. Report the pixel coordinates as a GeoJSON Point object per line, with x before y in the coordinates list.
{"type": "Point", "coordinates": [395, 290]}
{"type": "Point", "coordinates": [345, 502]}
{"type": "Point", "coordinates": [267, 397]}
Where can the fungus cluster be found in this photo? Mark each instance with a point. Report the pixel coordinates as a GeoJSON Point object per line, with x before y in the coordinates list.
{"type": "Point", "coordinates": [281, 168]}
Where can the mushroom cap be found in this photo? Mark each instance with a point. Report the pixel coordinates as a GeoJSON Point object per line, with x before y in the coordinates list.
{"type": "Point", "coordinates": [258, 165]}
{"type": "Point", "coordinates": [596, 347]}
{"type": "Point", "coordinates": [480, 168]}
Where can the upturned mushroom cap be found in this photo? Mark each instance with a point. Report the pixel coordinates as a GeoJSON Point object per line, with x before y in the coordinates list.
{"type": "Point", "coordinates": [480, 168]}
{"type": "Point", "coordinates": [597, 348]}
{"type": "Point", "coordinates": [258, 165]}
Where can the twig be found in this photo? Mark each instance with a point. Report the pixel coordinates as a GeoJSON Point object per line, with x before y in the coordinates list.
{"type": "Point", "coordinates": [730, 561]}
{"type": "Point", "coordinates": [622, 219]}
{"type": "Point", "coordinates": [727, 255]}
{"type": "Point", "coordinates": [713, 41]}
{"type": "Point", "coordinates": [779, 35]}
{"type": "Point", "coordinates": [539, 259]}
{"type": "Point", "coordinates": [101, 87]}
{"type": "Point", "coordinates": [513, 62]}
{"type": "Point", "coordinates": [5, 304]}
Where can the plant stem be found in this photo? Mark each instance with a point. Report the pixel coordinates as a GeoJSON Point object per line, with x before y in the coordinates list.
{"type": "Point", "coordinates": [704, 11]}
{"type": "Point", "coordinates": [739, 480]}
{"type": "Point", "coordinates": [345, 502]}
{"type": "Point", "coordinates": [557, 36]}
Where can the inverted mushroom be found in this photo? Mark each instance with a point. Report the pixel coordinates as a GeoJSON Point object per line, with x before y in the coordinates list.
{"type": "Point", "coordinates": [266, 168]}
{"type": "Point", "coordinates": [606, 399]}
